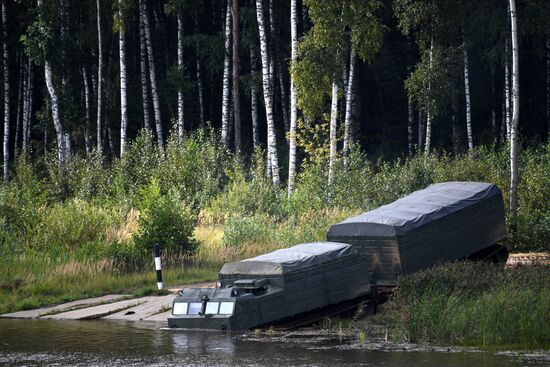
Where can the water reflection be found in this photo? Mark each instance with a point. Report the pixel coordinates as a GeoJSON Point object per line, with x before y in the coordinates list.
{"type": "Point", "coordinates": [101, 343]}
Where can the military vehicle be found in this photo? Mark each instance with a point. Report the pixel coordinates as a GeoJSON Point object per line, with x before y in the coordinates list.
{"type": "Point", "coordinates": [273, 287]}
{"type": "Point", "coordinates": [367, 253]}
{"type": "Point", "coordinates": [444, 222]}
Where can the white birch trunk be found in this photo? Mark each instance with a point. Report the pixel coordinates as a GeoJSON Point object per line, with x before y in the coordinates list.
{"type": "Point", "coordinates": [293, 99]}
{"type": "Point", "coordinates": [152, 73]}
{"type": "Point", "coordinates": [254, 100]}
{"type": "Point", "coordinates": [349, 107]}
{"type": "Point", "coordinates": [420, 130]}
{"type": "Point", "coordinates": [493, 113]}
{"type": "Point", "coordinates": [428, 140]}
{"type": "Point", "coordinates": [268, 96]}
{"type": "Point", "coordinates": [332, 132]}
{"type": "Point", "coordinates": [226, 66]}
{"type": "Point", "coordinates": [468, 101]}
{"type": "Point", "coordinates": [123, 81]}
{"type": "Point", "coordinates": [99, 82]}
{"type": "Point", "coordinates": [181, 121]}
{"type": "Point", "coordinates": [27, 120]}
{"type": "Point", "coordinates": [235, 81]}
{"type": "Point", "coordinates": [87, 107]}
{"type": "Point", "coordinates": [52, 90]}
{"type": "Point", "coordinates": [19, 103]}
{"type": "Point", "coordinates": [144, 79]}
{"type": "Point", "coordinates": [515, 118]}
{"type": "Point", "coordinates": [271, 48]}
{"type": "Point", "coordinates": [503, 118]}
{"type": "Point", "coordinates": [26, 89]}
{"type": "Point", "coordinates": [6, 141]}
{"type": "Point", "coordinates": [507, 91]}
{"type": "Point", "coordinates": [410, 130]}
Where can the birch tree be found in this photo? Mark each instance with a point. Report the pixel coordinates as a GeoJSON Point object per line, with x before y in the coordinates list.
{"type": "Point", "coordinates": [410, 123]}
{"type": "Point", "coordinates": [268, 95]}
{"type": "Point", "coordinates": [152, 72]}
{"type": "Point", "coordinates": [87, 108]}
{"type": "Point", "coordinates": [349, 107]}
{"type": "Point", "coordinates": [236, 96]}
{"type": "Point", "coordinates": [99, 81]}
{"type": "Point", "coordinates": [225, 87]}
{"type": "Point", "coordinates": [293, 97]}
{"type": "Point", "coordinates": [467, 99]}
{"type": "Point", "coordinates": [123, 83]}
{"type": "Point", "coordinates": [515, 117]}
{"type": "Point", "coordinates": [6, 145]}
{"type": "Point", "coordinates": [144, 78]}
{"type": "Point", "coordinates": [254, 99]}
{"type": "Point", "coordinates": [181, 121]}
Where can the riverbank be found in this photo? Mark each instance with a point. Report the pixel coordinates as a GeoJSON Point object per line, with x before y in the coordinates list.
{"type": "Point", "coordinates": [462, 304]}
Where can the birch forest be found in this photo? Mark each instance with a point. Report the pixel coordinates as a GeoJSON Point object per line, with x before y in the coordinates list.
{"type": "Point", "coordinates": [234, 109]}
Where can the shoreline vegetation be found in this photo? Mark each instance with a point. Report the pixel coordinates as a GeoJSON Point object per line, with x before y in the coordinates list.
{"type": "Point", "coordinates": [86, 229]}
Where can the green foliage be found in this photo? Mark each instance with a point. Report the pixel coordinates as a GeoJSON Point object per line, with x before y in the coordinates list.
{"type": "Point", "coordinates": [477, 304]}
{"type": "Point", "coordinates": [164, 220]}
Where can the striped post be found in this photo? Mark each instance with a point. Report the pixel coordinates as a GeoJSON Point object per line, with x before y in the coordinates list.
{"type": "Point", "coordinates": [158, 267]}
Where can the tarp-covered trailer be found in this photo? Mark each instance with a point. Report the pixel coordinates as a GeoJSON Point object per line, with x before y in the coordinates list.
{"type": "Point", "coordinates": [444, 222]}
{"type": "Point", "coordinates": [272, 287]}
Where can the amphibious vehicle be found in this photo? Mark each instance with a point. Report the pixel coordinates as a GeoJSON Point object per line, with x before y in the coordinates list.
{"type": "Point", "coordinates": [274, 286]}
{"type": "Point", "coordinates": [367, 253]}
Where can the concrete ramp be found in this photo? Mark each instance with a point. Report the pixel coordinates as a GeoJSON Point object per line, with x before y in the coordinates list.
{"type": "Point", "coordinates": [151, 306]}
{"type": "Point", "coordinates": [69, 306]}
{"type": "Point", "coordinates": [95, 312]}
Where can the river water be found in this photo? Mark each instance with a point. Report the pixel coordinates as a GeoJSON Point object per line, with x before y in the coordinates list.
{"type": "Point", "coordinates": [103, 343]}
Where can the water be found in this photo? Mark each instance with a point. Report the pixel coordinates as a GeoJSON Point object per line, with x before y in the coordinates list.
{"type": "Point", "coordinates": [102, 343]}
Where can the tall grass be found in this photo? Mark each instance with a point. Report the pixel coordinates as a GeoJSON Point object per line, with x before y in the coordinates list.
{"type": "Point", "coordinates": [474, 304]}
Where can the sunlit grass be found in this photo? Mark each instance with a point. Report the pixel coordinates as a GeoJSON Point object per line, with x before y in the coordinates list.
{"type": "Point", "coordinates": [30, 282]}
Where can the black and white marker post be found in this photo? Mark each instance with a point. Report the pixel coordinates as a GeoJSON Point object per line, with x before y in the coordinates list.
{"type": "Point", "coordinates": [157, 265]}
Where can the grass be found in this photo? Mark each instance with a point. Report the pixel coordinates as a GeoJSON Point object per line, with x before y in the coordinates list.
{"type": "Point", "coordinates": [30, 282]}
{"type": "Point", "coordinates": [470, 304]}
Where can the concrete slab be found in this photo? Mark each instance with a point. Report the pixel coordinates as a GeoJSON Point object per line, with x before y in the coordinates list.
{"type": "Point", "coordinates": [150, 307]}
{"type": "Point", "coordinates": [36, 313]}
{"type": "Point", "coordinates": [95, 312]}
{"type": "Point", "coordinates": [163, 316]}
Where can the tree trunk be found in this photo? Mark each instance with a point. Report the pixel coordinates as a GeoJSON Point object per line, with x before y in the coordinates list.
{"type": "Point", "coordinates": [493, 113]}
{"type": "Point", "coordinates": [507, 90]}
{"type": "Point", "coordinates": [515, 119]}
{"type": "Point", "coordinates": [20, 97]}
{"type": "Point", "coordinates": [454, 132]}
{"type": "Point", "coordinates": [503, 118]}
{"type": "Point", "coordinates": [293, 99]}
{"type": "Point", "coordinates": [349, 107]}
{"type": "Point", "coordinates": [333, 127]}
{"type": "Point", "coordinates": [226, 66]}
{"type": "Point", "coordinates": [144, 78]}
{"type": "Point", "coordinates": [55, 112]}
{"type": "Point", "coordinates": [6, 146]}
{"type": "Point", "coordinates": [410, 130]}
{"type": "Point", "coordinates": [236, 96]}
{"type": "Point", "coordinates": [123, 95]}
{"type": "Point", "coordinates": [420, 130]}
{"type": "Point", "coordinates": [27, 118]}
{"type": "Point", "coordinates": [548, 86]}
{"type": "Point", "coordinates": [254, 99]}
{"type": "Point", "coordinates": [87, 137]}
{"type": "Point", "coordinates": [99, 81]}
{"type": "Point", "coordinates": [201, 93]}
{"type": "Point", "coordinates": [152, 73]}
{"type": "Point", "coordinates": [181, 121]}
{"type": "Point", "coordinates": [428, 141]}
{"type": "Point", "coordinates": [468, 101]}
{"type": "Point", "coordinates": [268, 96]}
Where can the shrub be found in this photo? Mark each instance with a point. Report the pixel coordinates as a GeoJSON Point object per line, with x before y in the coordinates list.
{"type": "Point", "coordinates": [164, 220]}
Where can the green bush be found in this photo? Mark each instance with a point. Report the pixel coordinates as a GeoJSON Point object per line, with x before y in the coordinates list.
{"type": "Point", "coordinates": [248, 230]}
{"type": "Point", "coordinates": [164, 220]}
